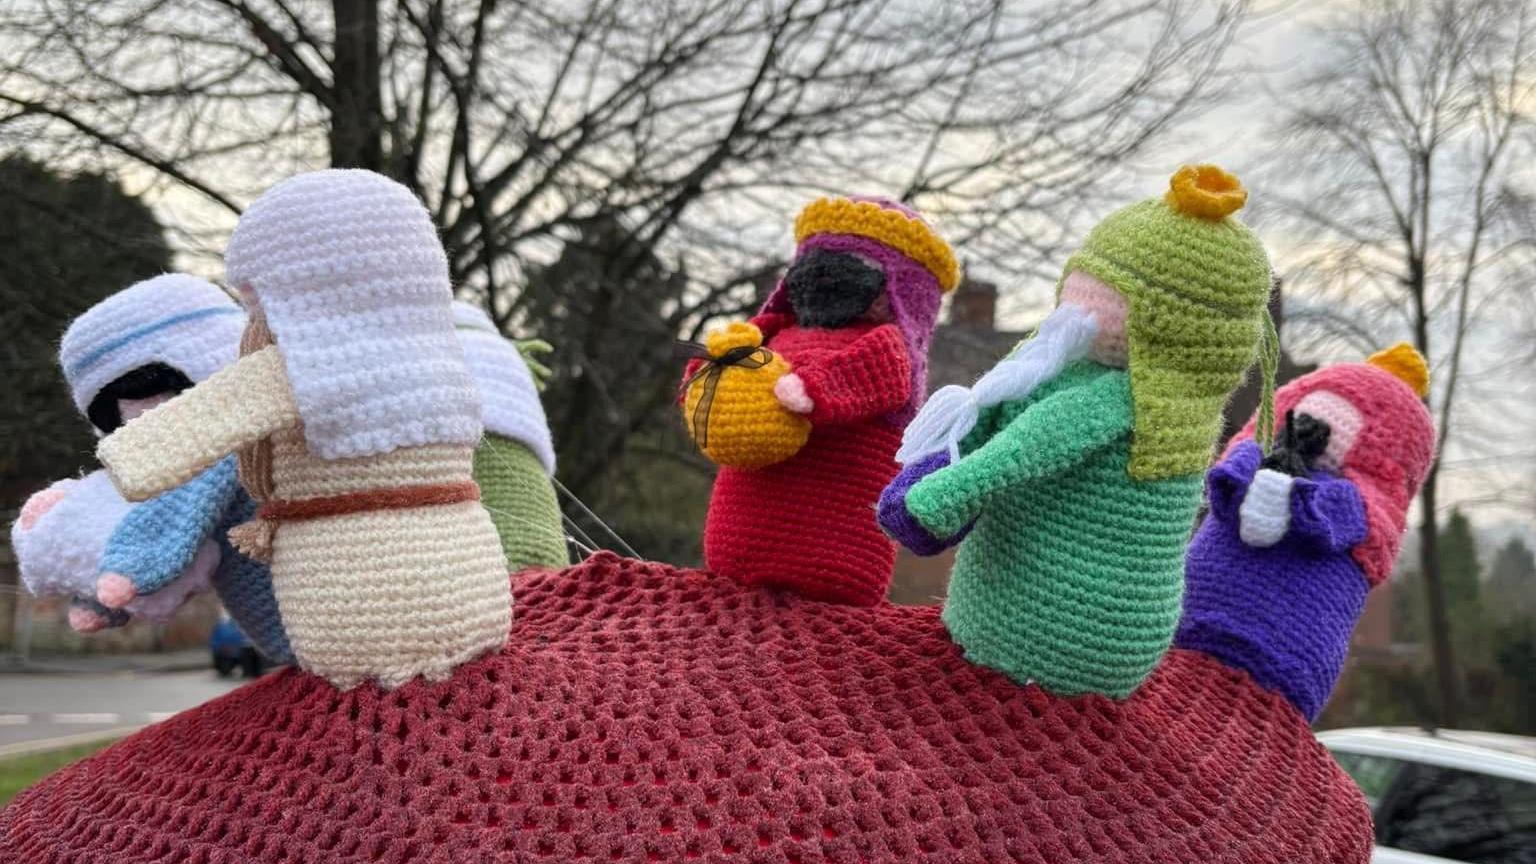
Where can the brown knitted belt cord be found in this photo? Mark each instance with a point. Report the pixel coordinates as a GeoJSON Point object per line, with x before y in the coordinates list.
{"type": "Point", "coordinates": [254, 538]}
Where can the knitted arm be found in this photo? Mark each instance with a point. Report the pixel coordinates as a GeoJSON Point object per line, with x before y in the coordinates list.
{"type": "Point", "coordinates": [1049, 438]}
{"type": "Point", "coordinates": [169, 445]}
{"type": "Point", "coordinates": [244, 587]}
{"type": "Point", "coordinates": [1228, 481]}
{"type": "Point", "coordinates": [157, 541]}
{"type": "Point", "coordinates": [1327, 514]}
{"type": "Point", "coordinates": [871, 377]}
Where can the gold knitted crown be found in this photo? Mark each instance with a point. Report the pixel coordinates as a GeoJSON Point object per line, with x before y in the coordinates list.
{"type": "Point", "coordinates": [907, 235]}
{"type": "Point", "coordinates": [1205, 192]}
{"type": "Point", "coordinates": [1406, 364]}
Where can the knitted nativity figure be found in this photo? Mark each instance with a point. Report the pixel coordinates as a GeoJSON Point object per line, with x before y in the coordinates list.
{"type": "Point", "coordinates": [1279, 570]}
{"type": "Point", "coordinates": [853, 317]}
{"type": "Point", "coordinates": [356, 422]}
{"type": "Point", "coordinates": [515, 461]}
{"type": "Point", "coordinates": [79, 537]}
{"type": "Point", "coordinates": [1076, 464]}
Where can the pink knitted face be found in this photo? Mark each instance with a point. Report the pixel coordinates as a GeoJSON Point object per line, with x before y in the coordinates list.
{"type": "Point", "coordinates": [131, 408]}
{"type": "Point", "coordinates": [1109, 308]}
{"type": "Point", "coordinates": [1344, 422]}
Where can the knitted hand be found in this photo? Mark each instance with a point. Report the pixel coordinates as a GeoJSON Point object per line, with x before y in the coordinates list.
{"type": "Point", "coordinates": [1321, 513]}
{"type": "Point", "coordinates": [790, 391]}
{"type": "Point", "coordinates": [898, 522]}
{"type": "Point", "coordinates": [532, 349]}
{"type": "Point", "coordinates": [164, 546]}
{"type": "Point", "coordinates": [88, 616]}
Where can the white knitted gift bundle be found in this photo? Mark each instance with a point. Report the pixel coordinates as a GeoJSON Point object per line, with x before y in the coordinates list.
{"type": "Point", "coordinates": [510, 401]}
{"type": "Point", "coordinates": [360, 308]}
{"type": "Point", "coordinates": [182, 321]}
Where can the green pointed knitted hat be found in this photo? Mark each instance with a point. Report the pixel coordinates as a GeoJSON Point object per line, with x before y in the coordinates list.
{"type": "Point", "coordinates": [1198, 282]}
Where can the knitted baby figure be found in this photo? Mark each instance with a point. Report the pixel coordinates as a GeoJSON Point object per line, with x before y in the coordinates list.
{"type": "Point", "coordinates": [1075, 465]}
{"type": "Point", "coordinates": [1279, 569]}
{"type": "Point", "coordinates": [515, 459]}
{"type": "Point", "coordinates": [79, 537]}
{"type": "Point", "coordinates": [356, 420]}
{"type": "Point", "coordinates": [853, 316]}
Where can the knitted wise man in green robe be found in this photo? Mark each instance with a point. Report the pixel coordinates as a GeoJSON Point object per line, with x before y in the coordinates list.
{"type": "Point", "coordinates": [515, 461]}
{"type": "Point", "coordinates": [1072, 470]}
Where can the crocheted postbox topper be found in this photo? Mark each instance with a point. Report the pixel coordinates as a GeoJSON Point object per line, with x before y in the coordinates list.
{"type": "Point", "coordinates": [1070, 473]}
{"type": "Point", "coordinates": [643, 713]}
{"type": "Point", "coordinates": [852, 319]}
{"type": "Point", "coordinates": [355, 419]}
{"type": "Point", "coordinates": [1278, 573]}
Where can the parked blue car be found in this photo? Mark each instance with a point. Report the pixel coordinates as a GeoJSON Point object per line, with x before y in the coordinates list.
{"type": "Point", "coordinates": [231, 651]}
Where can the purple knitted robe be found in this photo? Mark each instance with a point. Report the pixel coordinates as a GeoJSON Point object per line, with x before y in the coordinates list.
{"type": "Point", "coordinates": [1282, 613]}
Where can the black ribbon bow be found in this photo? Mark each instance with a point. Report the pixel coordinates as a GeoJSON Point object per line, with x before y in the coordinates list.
{"type": "Point", "coordinates": [745, 356]}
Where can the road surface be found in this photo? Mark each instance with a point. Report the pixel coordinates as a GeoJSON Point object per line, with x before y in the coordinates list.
{"type": "Point", "coordinates": [39, 707]}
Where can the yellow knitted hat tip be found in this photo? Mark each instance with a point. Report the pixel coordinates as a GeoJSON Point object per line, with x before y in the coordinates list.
{"type": "Point", "coordinates": [1205, 192]}
{"type": "Point", "coordinates": [1406, 364]}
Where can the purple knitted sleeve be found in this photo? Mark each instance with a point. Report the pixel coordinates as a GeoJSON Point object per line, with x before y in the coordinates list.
{"type": "Point", "coordinates": [1327, 513]}
{"type": "Point", "coordinates": [899, 523]}
{"type": "Point", "coordinates": [1228, 481]}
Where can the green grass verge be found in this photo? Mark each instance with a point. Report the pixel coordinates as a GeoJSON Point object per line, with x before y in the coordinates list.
{"type": "Point", "coordinates": [19, 772]}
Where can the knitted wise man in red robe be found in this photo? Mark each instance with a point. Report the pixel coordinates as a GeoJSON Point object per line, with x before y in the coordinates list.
{"type": "Point", "coordinates": [853, 316]}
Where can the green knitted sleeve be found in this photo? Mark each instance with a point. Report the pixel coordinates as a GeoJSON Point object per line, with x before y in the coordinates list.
{"type": "Point", "coordinates": [1046, 439]}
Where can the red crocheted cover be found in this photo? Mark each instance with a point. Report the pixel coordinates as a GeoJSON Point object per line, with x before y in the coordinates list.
{"type": "Point", "coordinates": [808, 523]}
{"type": "Point", "coordinates": [643, 713]}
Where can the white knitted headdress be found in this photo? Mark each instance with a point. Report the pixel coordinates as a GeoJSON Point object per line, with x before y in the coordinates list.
{"type": "Point", "coordinates": [182, 321]}
{"type": "Point", "coordinates": [509, 400]}
{"type": "Point", "coordinates": [353, 280]}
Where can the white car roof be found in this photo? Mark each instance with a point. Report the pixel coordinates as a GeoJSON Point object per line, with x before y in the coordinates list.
{"type": "Point", "coordinates": [1512, 756]}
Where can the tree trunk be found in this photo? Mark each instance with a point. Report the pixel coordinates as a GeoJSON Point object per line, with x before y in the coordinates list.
{"type": "Point", "coordinates": [357, 121]}
{"type": "Point", "coordinates": [1434, 598]}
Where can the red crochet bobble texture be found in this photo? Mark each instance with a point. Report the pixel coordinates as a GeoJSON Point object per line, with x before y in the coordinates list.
{"type": "Point", "coordinates": [642, 713]}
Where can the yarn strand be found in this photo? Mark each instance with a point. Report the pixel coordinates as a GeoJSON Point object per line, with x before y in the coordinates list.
{"type": "Point", "coordinates": [1269, 366]}
{"type": "Point", "coordinates": [628, 549]}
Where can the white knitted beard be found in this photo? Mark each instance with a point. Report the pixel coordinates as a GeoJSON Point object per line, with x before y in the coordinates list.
{"type": "Point", "coordinates": [1065, 336]}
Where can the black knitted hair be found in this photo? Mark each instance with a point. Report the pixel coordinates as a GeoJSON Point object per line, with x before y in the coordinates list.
{"type": "Point", "coordinates": [142, 383]}
{"type": "Point", "coordinates": [831, 289]}
{"type": "Point", "coordinates": [1303, 438]}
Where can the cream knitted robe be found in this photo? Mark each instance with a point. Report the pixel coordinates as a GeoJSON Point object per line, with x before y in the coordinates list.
{"type": "Point", "coordinates": [385, 594]}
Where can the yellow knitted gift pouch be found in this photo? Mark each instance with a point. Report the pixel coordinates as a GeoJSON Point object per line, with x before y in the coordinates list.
{"type": "Point", "coordinates": [729, 406]}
